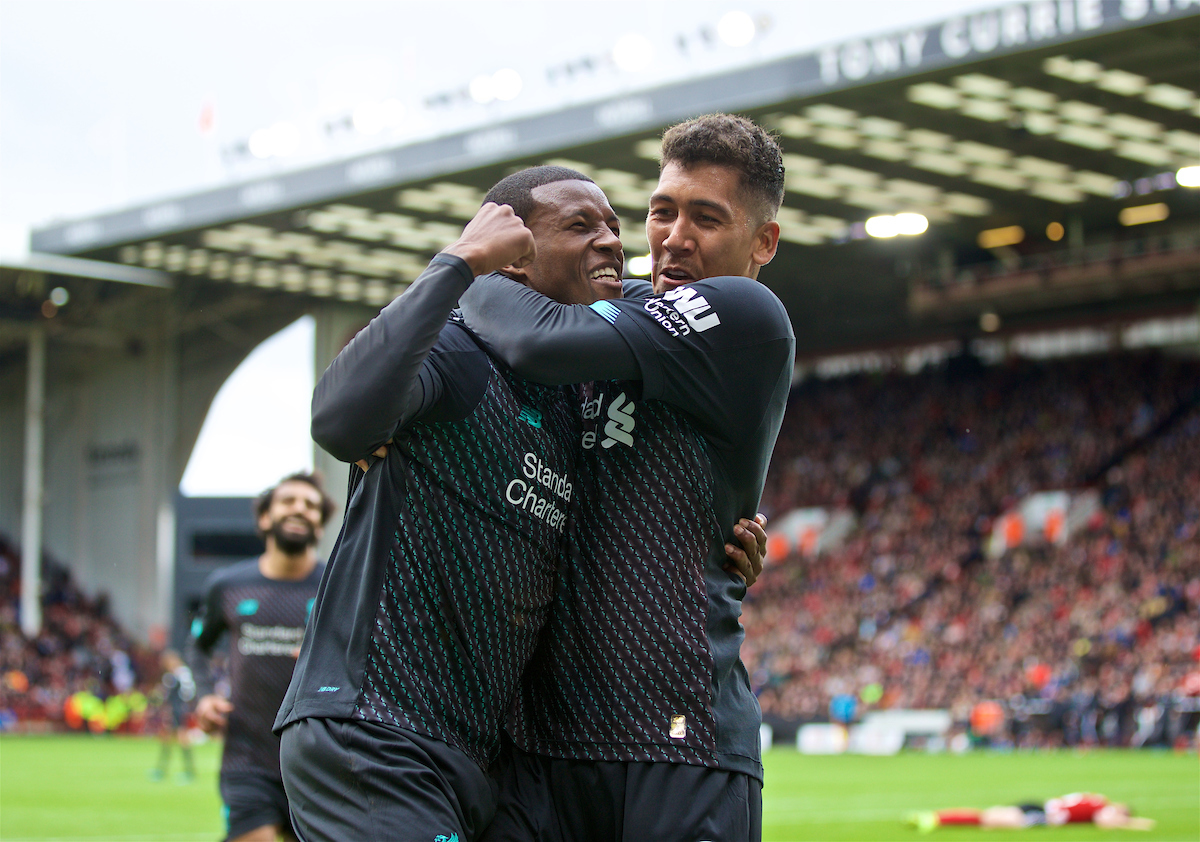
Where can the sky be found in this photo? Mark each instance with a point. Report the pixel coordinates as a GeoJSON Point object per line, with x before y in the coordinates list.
{"type": "Point", "coordinates": [108, 103]}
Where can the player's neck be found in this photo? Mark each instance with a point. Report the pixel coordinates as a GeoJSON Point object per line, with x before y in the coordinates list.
{"type": "Point", "coordinates": [276, 564]}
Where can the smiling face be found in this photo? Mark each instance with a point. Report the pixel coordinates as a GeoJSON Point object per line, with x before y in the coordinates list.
{"type": "Point", "coordinates": [699, 226]}
{"type": "Point", "coordinates": [294, 517]}
{"type": "Point", "coordinates": [579, 256]}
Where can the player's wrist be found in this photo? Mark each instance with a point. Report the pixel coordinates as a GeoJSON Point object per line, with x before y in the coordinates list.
{"type": "Point", "coordinates": [476, 256]}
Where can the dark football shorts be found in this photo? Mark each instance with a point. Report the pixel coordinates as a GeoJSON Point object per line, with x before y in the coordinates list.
{"type": "Point", "coordinates": [355, 780]}
{"type": "Point", "coordinates": [554, 800]}
{"type": "Point", "coordinates": [252, 801]}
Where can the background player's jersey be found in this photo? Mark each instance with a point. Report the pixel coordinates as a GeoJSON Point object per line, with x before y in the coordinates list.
{"type": "Point", "coordinates": [1074, 808]}
{"type": "Point", "coordinates": [438, 585]}
{"type": "Point", "coordinates": [640, 661]}
{"type": "Point", "coordinates": [265, 620]}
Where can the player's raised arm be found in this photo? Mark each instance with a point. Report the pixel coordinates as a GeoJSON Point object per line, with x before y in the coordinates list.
{"type": "Point", "coordinates": [382, 379]}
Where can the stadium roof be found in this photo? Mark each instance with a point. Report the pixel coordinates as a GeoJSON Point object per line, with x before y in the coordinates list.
{"type": "Point", "coordinates": [1030, 114]}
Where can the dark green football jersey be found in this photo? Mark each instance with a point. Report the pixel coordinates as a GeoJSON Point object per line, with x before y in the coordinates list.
{"type": "Point", "coordinates": [439, 582]}
{"type": "Point", "coordinates": [639, 662]}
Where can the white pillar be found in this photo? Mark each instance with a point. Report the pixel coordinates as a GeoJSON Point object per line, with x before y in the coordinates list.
{"type": "Point", "coordinates": [31, 511]}
{"type": "Point", "coordinates": [167, 485]}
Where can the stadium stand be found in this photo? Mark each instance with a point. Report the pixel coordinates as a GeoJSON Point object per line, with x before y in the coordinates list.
{"type": "Point", "coordinates": [1089, 641]}
{"type": "Point", "coordinates": [1092, 641]}
{"type": "Point", "coordinates": [82, 671]}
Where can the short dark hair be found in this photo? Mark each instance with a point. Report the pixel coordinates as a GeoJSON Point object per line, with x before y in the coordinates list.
{"type": "Point", "coordinates": [516, 190]}
{"type": "Point", "coordinates": [263, 501]}
{"type": "Point", "coordinates": [731, 141]}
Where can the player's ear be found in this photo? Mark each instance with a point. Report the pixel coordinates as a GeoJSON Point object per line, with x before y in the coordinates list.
{"type": "Point", "coordinates": [766, 243]}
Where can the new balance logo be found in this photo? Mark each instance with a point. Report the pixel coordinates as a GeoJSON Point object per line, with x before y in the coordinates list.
{"type": "Point", "coordinates": [531, 416]}
{"type": "Point", "coordinates": [619, 428]}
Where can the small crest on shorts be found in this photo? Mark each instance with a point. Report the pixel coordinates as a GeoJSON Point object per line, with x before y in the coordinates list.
{"type": "Point", "coordinates": [453, 837]}
{"type": "Point", "coordinates": [678, 727]}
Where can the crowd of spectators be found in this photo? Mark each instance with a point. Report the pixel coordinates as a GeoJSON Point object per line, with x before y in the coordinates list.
{"type": "Point", "coordinates": [1096, 640]}
{"type": "Point", "coordinates": [1091, 641]}
{"type": "Point", "coordinates": [80, 652]}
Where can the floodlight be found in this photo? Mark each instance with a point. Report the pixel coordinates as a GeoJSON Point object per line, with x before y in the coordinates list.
{"type": "Point", "coordinates": [995, 238]}
{"type": "Point", "coordinates": [1122, 82]}
{"type": "Point", "coordinates": [1141, 214]}
{"type": "Point", "coordinates": [480, 89]}
{"type": "Point", "coordinates": [736, 29]}
{"type": "Point", "coordinates": [391, 112]}
{"type": "Point", "coordinates": [1188, 177]}
{"type": "Point", "coordinates": [506, 84]}
{"type": "Point", "coordinates": [640, 266]}
{"type": "Point", "coordinates": [882, 226]}
{"type": "Point", "coordinates": [911, 224]}
{"type": "Point", "coordinates": [633, 52]}
{"type": "Point", "coordinates": [367, 118]}
{"type": "Point", "coordinates": [1169, 96]}
{"type": "Point", "coordinates": [934, 95]}
{"type": "Point", "coordinates": [285, 139]}
{"type": "Point", "coordinates": [261, 143]}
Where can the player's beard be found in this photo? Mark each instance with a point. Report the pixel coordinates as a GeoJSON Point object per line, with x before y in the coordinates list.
{"type": "Point", "coordinates": [289, 542]}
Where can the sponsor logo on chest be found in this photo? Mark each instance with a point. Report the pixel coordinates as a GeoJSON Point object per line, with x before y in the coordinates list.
{"type": "Point", "coordinates": [540, 491]}
{"type": "Point", "coordinates": [278, 640]}
{"type": "Point", "coordinates": [616, 418]}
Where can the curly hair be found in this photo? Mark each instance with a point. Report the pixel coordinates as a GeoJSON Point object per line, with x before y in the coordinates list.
{"type": "Point", "coordinates": [263, 501]}
{"type": "Point", "coordinates": [732, 141]}
{"type": "Point", "coordinates": [516, 190]}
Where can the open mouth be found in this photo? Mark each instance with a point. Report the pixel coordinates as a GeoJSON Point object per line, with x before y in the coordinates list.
{"type": "Point", "coordinates": [605, 278]}
{"type": "Point", "coordinates": [672, 278]}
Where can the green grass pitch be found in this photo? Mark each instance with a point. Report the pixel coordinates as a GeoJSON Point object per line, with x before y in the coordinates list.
{"type": "Point", "coordinates": [97, 788]}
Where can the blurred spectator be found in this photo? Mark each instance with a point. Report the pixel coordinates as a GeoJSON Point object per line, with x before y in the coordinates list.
{"type": "Point", "coordinates": [81, 670]}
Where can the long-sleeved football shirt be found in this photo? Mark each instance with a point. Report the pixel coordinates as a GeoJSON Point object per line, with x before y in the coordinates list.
{"type": "Point", "coordinates": [440, 580]}
{"type": "Point", "coordinates": [639, 660]}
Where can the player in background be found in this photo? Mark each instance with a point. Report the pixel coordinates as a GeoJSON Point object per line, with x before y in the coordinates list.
{"type": "Point", "coordinates": [1076, 808]}
{"type": "Point", "coordinates": [636, 719]}
{"type": "Point", "coordinates": [262, 604]}
{"type": "Point", "coordinates": [178, 689]}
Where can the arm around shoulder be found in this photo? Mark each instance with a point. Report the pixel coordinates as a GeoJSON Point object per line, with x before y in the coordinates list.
{"type": "Point", "coordinates": [542, 340]}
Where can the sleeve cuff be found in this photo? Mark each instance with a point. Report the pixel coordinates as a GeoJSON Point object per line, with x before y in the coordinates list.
{"type": "Point", "coordinates": [457, 262]}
